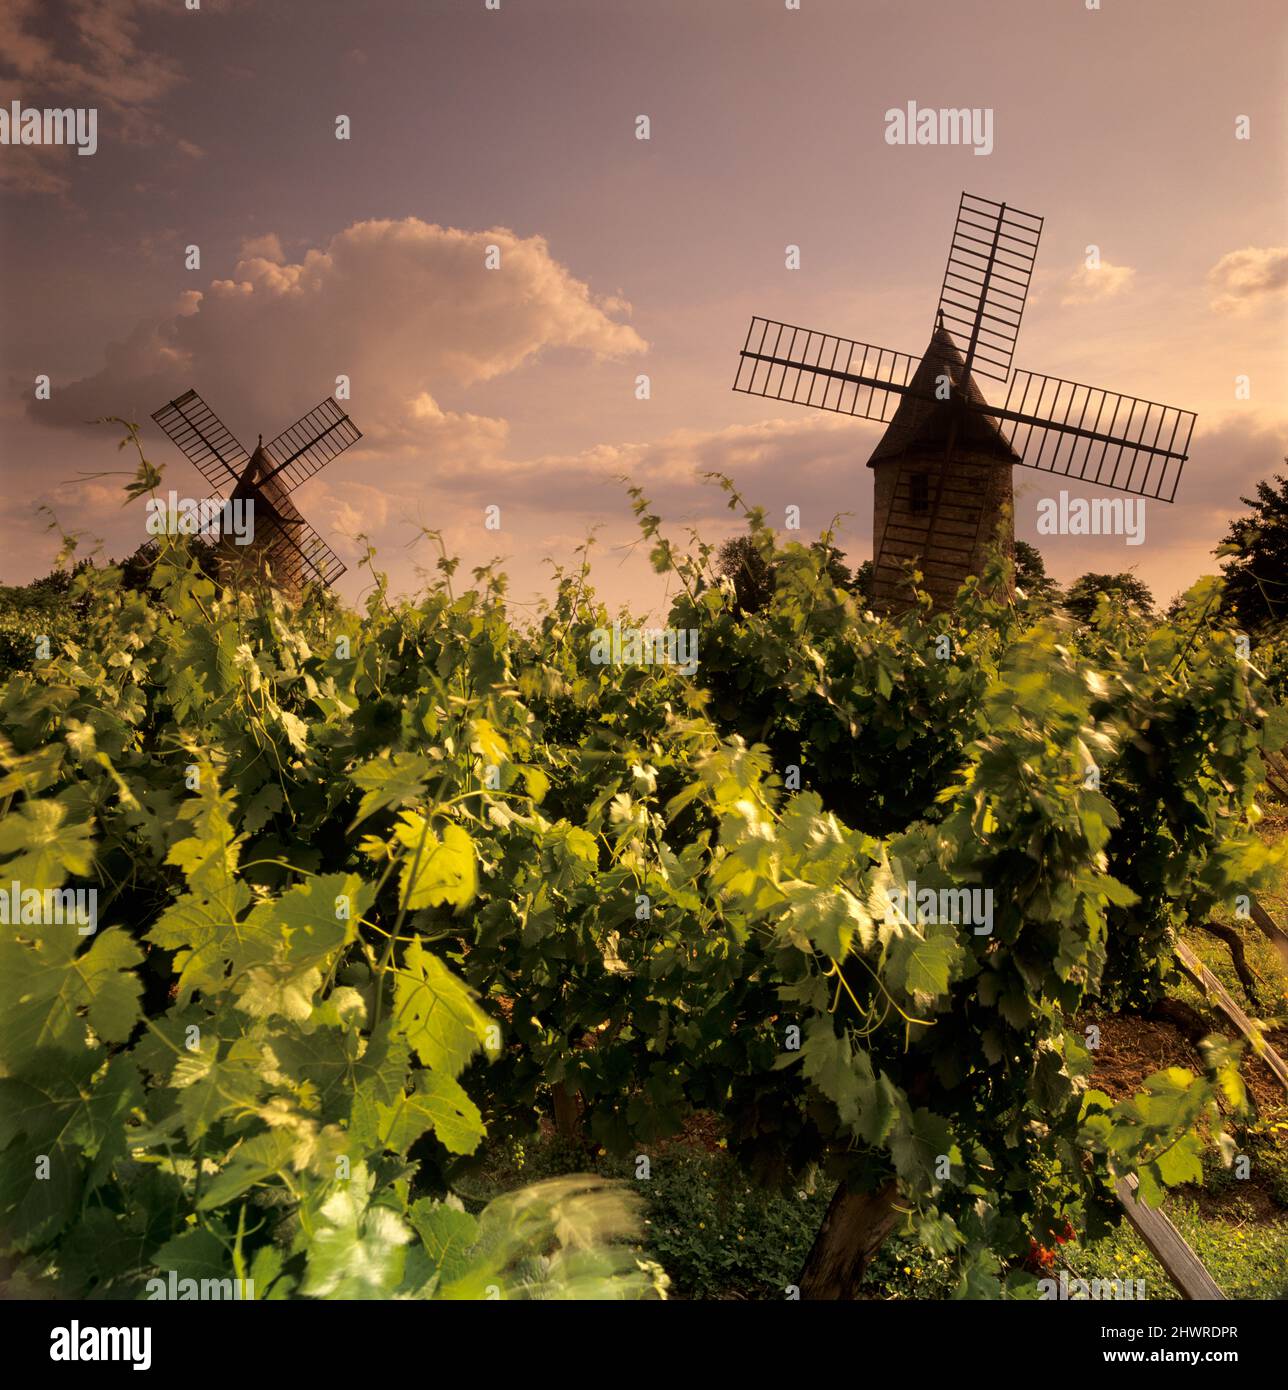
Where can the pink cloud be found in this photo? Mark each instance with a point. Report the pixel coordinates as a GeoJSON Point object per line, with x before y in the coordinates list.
{"type": "Point", "coordinates": [405, 309]}
{"type": "Point", "coordinates": [1088, 284]}
{"type": "Point", "coordinates": [1244, 278]}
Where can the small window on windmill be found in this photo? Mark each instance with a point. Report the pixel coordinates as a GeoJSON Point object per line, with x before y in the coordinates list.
{"type": "Point", "coordinates": [919, 496]}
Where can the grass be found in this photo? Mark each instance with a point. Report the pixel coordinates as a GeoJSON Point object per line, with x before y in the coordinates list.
{"type": "Point", "coordinates": [1247, 1258]}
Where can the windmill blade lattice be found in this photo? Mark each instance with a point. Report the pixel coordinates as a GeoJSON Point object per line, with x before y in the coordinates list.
{"type": "Point", "coordinates": [299, 554]}
{"type": "Point", "coordinates": [1096, 436]}
{"type": "Point", "coordinates": [787, 363]}
{"type": "Point", "coordinates": [310, 443]}
{"type": "Point", "coordinates": [986, 282]}
{"type": "Point", "coordinates": [204, 438]}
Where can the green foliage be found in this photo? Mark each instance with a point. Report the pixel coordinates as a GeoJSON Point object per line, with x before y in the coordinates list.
{"type": "Point", "coordinates": [1039, 590]}
{"type": "Point", "coordinates": [717, 1234]}
{"type": "Point", "coordinates": [740, 561]}
{"type": "Point", "coordinates": [1184, 776]}
{"type": "Point", "coordinates": [1256, 574]}
{"type": "Point", "coordinates": [190, 1087]}
{"type": "Point", "coordinates": [33, 616]}
{"type": "Point", "coordinates": [371, 885]}
{"type": "Point", "coordinates": [1089, 592]}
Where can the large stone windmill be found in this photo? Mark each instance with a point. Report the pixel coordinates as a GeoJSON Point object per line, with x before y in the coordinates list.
{"type": "Point", "coordinates": [943, 467]}
{"type": "Point", "coordinates": [285, 546]}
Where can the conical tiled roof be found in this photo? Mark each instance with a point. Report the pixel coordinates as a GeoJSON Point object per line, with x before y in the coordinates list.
{"type": "Point", "coordinates": [921, 423]}
{"type": "Point", "coordinates": [256, 466]}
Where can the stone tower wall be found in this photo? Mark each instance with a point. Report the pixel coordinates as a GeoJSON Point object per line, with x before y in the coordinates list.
{"type": "Point", "coordinates": [977, 495]}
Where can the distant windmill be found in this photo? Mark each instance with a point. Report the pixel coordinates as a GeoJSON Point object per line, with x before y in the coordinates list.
{"type": "Point", "coordinates": [943, 467]}
{"type": "Point", "coordinates": [284, 542]}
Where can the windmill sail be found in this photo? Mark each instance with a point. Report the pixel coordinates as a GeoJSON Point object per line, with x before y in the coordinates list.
{"type": "Point", "coordinates": [203, 438]}
{"type": "Point", "coordinates": [787, 363]}
{"type": "Point", "coordinates": [310, 444]}
{"type": "Point", "coordinates": [298, 554]}
{"type": "Point", "coordinates": [1096, 436]}
{"type": "Point", "coordinates": [986, 282]}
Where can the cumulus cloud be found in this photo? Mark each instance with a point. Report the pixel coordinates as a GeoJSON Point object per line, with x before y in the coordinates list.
{"type": "Point", "coordinates": [1088, 284]}
{"type": "Point", "coordinates": [267, 248]}
{"type": "Point", "coordinates": [410, 314]}
{"type": "Point", "coordinates": [1241, 279]}
{"type": "Point", "coordinates": [407, 310]}
{"type": "Point", "coordinates": [349, 508]}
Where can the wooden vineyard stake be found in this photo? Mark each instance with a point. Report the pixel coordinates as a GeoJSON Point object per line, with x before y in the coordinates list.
{"type": "Point", "coordinates": [1271, 929]}
{"type": "Point", "coordinates": [1163, 1240]}
{"type": "Point", "coordinates": [1206, 981]}
{"type": "Point", "coordinates": [1276, 773]}
{"type": "Point", "coordinates": [1167, 1245]}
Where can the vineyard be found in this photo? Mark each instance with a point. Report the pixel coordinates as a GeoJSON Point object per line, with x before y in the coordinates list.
{"type": "Point", "coordinates": [428, 949]}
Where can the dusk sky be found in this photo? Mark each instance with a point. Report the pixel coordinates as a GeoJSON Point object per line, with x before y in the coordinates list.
{"type": "Point", "coordinates": [515, 127]}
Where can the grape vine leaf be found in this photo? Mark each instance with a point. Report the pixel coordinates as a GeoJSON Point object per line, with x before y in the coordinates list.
{"type": "Point", "coordinates": [390, 781]}
{"type": "Point", "coordinates": [829, 918]}
{"type": "Point", "coordinates": [919, 1141]}
{"type": "Point", "coordinates": [45, 847]}
{"type": "Point", "coordinates": [355, 1250]}
{"type": "Point", "coordinates": [258, 1159]}
{"type": "Point", "coordinates": [212, 1089]}
{"type": "Point", "coordinates": [54, 1120]}
{"type": "Point", "coordinates": [46, 985]}
{"type": "Point", "coordinates": [436, 871]}
{"type": "Point", "coordinates": [447, 1232]}
{"type": "Point", "coordinates": [438, 1103]}
{"type": "Point", "coordinates": [436, 1012]}
{"type": "Point", "coordinates": [921, 963]}
{"type": "Point", "coordinates": [196, 1253]}
{"type": "Point", "coordinates": [866, 1103]}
